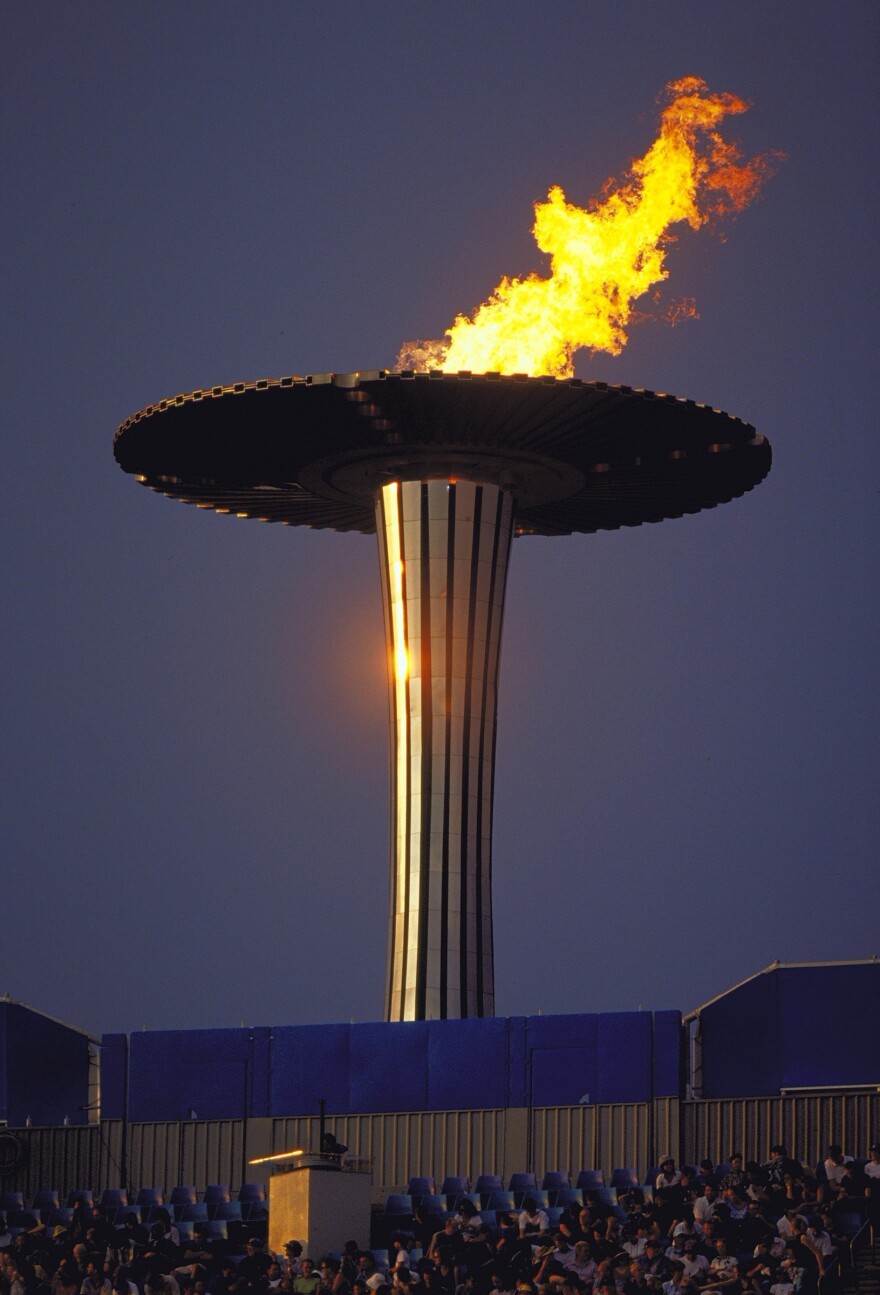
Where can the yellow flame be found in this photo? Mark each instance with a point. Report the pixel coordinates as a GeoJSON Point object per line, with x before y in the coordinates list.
{"type": "Point", "coordinates": [605, 256]}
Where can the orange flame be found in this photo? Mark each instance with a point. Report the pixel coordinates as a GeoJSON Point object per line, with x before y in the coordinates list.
{"type": "Point", "coordinates": [605, 256]}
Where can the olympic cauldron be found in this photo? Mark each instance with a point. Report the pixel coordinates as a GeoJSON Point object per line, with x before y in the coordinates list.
{"type": "Point", "coordinates": [446, 469]}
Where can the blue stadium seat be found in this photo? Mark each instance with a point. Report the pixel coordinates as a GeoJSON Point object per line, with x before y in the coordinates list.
{"type": "Point", "coordinates": [554, 1214]}
{"type": "Point", "coordinates": [455, 1186]}
{"type": "Point", "coordinates": [522, 1183]}
{"type": "Point", "coordinates": [456, 1200]}
{"type": "Point", "coordinates": [487, 1183]}
{"type": "Point", "coordinates": [568, 1196]}
{"type": "Point", "coordinates": [380, 1258]}
{"type": "Point", "coordinates": [225, 1211]}
{"type": "Point", "coordinates": [501, 1201]}
{"type": "Point", "coordinates": [113, 1198]}
{"type": "Point", "coordinates": [121, 1215]}
{"type": "Point", "coordinates": [183, 1196]}
{"type": "Point", "coordinates": [652, 1175]}
{"type": "Point", "coordinates": [214, 1193]}
{"type": "Point", "coordinates": [625, 1177]}
{"type": "Point", "coordinates": [60, 1218]}
{"type": "Point", "coordinates": [254, 1211]}
{"type": "Point", "coordinates": [46, 1198]}
{"type": "Point", "coordinates": [192, 1212]}
{"type": "Point", "coordinates": [432, 1204]}
{"type": "Point", "coordinates": [398, 1205]}
{"type": "Point", "coordinates": [215, 1230]}
{"type": "Point", "coordinates": [83, 1195]}
{"type": "Point", "coordinates": [490, 1218]}
{"type": "Point", "coordinates": [590, 1179]}
{"type": "Point", "coordinates": [13, 1201]}
{"type": "Point", "coordinates": [554, 1179]}
{"type": "Point", "coordinates": [251, 1192]}
{"type": "Point", "coordinates": [185, 1231]}
{"type": "Point", "coordinates": [419, 1187]}
{"type": "Point", "coordinates": [148, 1196]}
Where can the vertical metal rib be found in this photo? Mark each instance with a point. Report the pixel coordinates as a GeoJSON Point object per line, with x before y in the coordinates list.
{"type": "Point", "coordinates": [444, 548]}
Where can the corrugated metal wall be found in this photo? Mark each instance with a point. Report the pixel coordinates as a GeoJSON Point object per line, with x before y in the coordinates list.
{"type": "Point", "coordinates": [804, 1124]}
{"type": "Point", "coordinates": [399, 1145]}
{"type": "Point", "coordinates": [444, 1142]}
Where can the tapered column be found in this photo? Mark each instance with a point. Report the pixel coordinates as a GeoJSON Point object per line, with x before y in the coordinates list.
{"type": "Point", "coordinates": [444, 547]}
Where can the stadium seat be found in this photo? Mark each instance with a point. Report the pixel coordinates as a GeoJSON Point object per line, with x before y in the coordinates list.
{"type": "Point", "coordinates": [214, 1193]}
{"type": "Point", "coordinates": [148, 1196]}
{"type": "Point", "coordinates": [455, 1201]}
{"type": "Point", "coordinates": [225, 1211]}
{"type": "Point", "coordinates": [215, 1230]}
{"type": "Point", "coordinates": [431, 1204]}
{"type": "Point", "coordinates": [126, 1212]}
{"type": "Point", "coordinates": [590, 1178]}
{"type": "Point", "coordinates": [487, 1183]}
{"type": "Point", "coordinates": [398, 1205]}
{"type": "Point", "coordinates": [490, 1218]}
{"type": "Point", "coordinates": [522, 1183]}
{"type": "Point", "coordinates": [625, 1177]}
{"type": "Point", "coordinates": [380, 1258]}
{"type": "Point", "coordinates": [501, 1201]}
{"type": "Point", "coordinates": [419, 1187]}
{"type": "Point", "coordinates": [60, 1218]}
{"type": "Point", "coordinates": [82, 1195]}
{"type": "Point", "coordinates": [45, 1200]}
{"type": "Point", "coordinates": [185, 1231]}
{"type": "Point", "coordinates": [192, 1212]}
{"type": "Point", "coordinates": [554, 1179]}
{"type": "Point", "coordinates": [456, 1187]}
{"type": "Point", "coordinates": [251, 1192]}
{"type": "Point", "coordinates": [113, 1198]}
{"type": "Point", "coordinates": [568, 1196]}
{"type": "Point", "coordinates": [183, 1196]}
{"type": "Point", "coordinates": [254, 1211]}
{"type": "Point", "coordinates": [13, 1201]}
{"type": "Point", "coordinates": [554, 1214]}
{"type": "Point", "coordinates": [652, 1175]}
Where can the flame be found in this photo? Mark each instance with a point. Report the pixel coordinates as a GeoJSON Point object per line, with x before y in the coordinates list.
{"type": "Point", "coordinates": [607, 255]}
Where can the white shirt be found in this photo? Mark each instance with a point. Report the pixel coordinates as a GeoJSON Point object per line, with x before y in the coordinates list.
{"type": "Point", "coordinates": [704, 1209]}
{"type": "Point", "coordinates": [872, 1170]}
{"type": "Point", "coordinates": [540, 1219]}
{"type": "Point", "coordinates": [834, 1172]}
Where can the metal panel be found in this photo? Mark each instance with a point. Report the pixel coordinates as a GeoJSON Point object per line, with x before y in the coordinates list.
{"type": "Point", "coordinates": [805, 1125]}
{"type": "Point", "coordinates": [65, 1158]}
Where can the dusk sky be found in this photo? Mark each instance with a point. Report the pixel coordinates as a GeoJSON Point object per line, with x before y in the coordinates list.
{"type": "Point", "coordinates": [195, 755]}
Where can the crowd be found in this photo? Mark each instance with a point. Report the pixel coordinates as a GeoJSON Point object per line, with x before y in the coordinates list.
{"type": "Point", "coordinates": [741, 1229]}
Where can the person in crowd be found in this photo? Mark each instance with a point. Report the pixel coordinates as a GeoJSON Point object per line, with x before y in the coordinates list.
{"type": "Point", "coordinates": [307, 1282]}
{"type": "Point", "coordinates": [668, 1175]}
{"type": "Point", "coordinates": [736, 1176]}
{"type": "Point", "coordinates": [705, 1206]}
{"type": "Point", "coordinates": [534, 1222]}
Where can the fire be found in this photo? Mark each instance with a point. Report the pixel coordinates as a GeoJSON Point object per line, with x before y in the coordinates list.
{"type": "Point", "coordinates": [607, 255]}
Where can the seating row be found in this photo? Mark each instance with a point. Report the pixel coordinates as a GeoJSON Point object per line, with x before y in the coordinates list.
{"type": "Point", "coordinates": [404, 1204]}
{"type": "Point", "coordinates": [149, 1204]}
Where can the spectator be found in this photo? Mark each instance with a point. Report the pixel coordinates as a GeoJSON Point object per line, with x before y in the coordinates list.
{"type": "Point", "coordinates": [668, 1175]}
{"type": "Point", "coordinates": [705, 1206]}
{"type": "Point", "coordinates": [308, 1280]}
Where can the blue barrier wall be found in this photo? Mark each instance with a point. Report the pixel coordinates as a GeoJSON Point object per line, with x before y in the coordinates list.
{"type": "Point", "coordinates": [412, 1066]}
{"type": "Point", "coordinates": [44, 1068]}
{"type": "Point", "coordinates": [793, 1027]}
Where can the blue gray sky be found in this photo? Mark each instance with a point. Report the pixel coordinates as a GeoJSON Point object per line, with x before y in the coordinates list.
{"type": "Point", "coordinates": [195, 829]}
